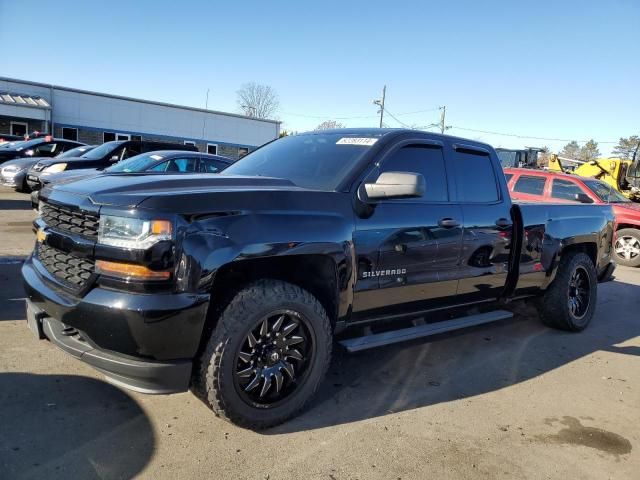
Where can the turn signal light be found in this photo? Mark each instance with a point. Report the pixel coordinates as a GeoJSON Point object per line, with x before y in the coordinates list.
{"type": "Point", "coordinates": [129, 271]}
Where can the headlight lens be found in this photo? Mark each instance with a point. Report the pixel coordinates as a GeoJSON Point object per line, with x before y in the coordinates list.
{"type": "Point", "coordinates": [132, 233]}
{"type": "Point", "coordinates": [58, 167]}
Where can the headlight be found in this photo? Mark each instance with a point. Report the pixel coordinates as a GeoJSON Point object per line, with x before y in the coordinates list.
{"type": "Point", "coordinates": [58, 167]}
{"type": "Point", "coordinates": [132, 233]}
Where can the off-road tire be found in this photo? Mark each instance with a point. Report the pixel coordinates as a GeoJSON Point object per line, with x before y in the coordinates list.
{"type": "Point", "coordinates": [216, 383]}
{"type": "Point", "coordinates": [554, 308]}
{"type": "Point", "coordinates": [627, 232]}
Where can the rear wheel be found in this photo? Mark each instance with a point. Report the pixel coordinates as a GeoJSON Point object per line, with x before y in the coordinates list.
{"type": "Point", "coordinates": [570, 301]}
{"type": "Point", "coordinates": [267, 356]}
{"type": "Point", "coordinates": [626, 247]}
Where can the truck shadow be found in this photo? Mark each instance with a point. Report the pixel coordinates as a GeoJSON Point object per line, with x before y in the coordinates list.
{"type": "Point", "coordinates": [11, 204]}
{"type": "Point", "coordinates": [464, 364]}
{"type": "Point", "coordinates": [64, 426]}
{"type": "Point", "coordinates": [11, 291]}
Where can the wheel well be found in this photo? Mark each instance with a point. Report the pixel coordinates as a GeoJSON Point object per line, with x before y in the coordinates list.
{"type": "Point", "coordinates": [589, 248]}
{"type": "Point", "coordinates": [620, 226]}
{"type": "Point", "coordinates": [314, 273]}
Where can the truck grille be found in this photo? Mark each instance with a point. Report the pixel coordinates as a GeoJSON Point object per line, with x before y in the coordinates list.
{"type": "Point", "coordinates": [73, 272]}
{"type": "Point", "coordinates": [72, 221]}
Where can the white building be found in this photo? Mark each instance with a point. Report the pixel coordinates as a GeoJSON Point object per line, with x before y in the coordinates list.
{"type": "Point", "coordinates": [94, 118]}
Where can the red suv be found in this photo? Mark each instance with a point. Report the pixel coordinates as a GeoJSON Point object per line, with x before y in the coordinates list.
{"type": "Point", "coordinates": [541, 186]}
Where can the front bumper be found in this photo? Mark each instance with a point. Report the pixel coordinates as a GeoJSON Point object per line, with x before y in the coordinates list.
{"type": "Point", "coordinates": [145, 342]}
{"type": "Point", "coordinates": [12, 180]}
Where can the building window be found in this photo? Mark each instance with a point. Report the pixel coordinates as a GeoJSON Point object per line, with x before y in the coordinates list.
{"type": "Point", "coordinates": [19, 128]}
{"type": "Point", "coordinates": [136, 137]}
{"type": "Point", "coordinates": [108, 136]}
{"type": "Point", "coordinates": [123, 136]}
{"type": "Point", "coordinates": [242, 151]}
{"type": "Point", "coordinates": [212, 148]}
{"type": "Point", "coordinates": [70, 133]}
{"type": "Point", "coordinates": [189, 142]}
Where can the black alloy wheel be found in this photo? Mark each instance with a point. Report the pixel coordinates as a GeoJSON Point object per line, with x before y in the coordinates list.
{"type": "Point", "coordinates": [273, 358]}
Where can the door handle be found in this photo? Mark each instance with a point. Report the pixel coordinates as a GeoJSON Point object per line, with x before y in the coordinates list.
{"type": "Point", "coordinates": [448, 223]}
{"type": "Point", "coordinates": [503, 222]}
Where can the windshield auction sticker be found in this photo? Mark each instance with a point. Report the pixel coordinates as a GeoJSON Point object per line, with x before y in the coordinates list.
{"type": "Point", "coordinates": [366, 142]}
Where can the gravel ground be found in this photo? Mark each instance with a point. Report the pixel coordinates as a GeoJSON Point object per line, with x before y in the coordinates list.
{"type": "Point", "coordinates": [509, 400]}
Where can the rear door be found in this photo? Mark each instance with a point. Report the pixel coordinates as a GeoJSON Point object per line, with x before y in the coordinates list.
{"type": "Point", "coordinates": [408, 249]}
{"type": "Point", "coordinates": [486, 221]}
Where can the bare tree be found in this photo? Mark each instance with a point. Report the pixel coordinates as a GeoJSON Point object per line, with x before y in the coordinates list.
{"type": "Point", "coordinates": [258, 101]}
{"type": "Point", "coordinates": [329, 124]}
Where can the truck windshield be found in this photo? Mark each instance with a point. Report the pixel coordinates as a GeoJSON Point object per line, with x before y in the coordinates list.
{"type": "Point", "coordinates": [102, 151]}
{"type": "Point", "coordinates": [605, 192]}
{"type": "Point", "coordinates": [316, 161]}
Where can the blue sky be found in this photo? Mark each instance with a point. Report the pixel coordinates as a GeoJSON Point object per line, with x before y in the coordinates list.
{"type": "Point", "coordinates": [563, 69]}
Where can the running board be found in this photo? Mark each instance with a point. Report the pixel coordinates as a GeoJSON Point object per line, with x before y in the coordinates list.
{"type": "Point", "coordinates": [426, 330]}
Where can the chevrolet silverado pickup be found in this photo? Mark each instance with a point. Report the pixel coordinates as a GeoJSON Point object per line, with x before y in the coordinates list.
{"type": "Point", "coordinates": [237, 285]}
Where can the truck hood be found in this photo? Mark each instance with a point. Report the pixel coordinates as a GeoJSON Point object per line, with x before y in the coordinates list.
{"type": "Point", "coordinates": [132, 189]}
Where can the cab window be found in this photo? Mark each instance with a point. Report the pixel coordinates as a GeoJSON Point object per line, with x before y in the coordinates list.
{"type": "Point", "coordinates": [425, 159]}
{"type": "Point", "coordinates": [530, 185]}
{"type": "Point", "coordinates": [46, 150]}
{"type": "Point", "coordinates": [475, 177]}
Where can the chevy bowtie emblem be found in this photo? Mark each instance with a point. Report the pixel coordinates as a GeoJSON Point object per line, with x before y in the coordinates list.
{"type": "Point", "coordinates": [41, 235]}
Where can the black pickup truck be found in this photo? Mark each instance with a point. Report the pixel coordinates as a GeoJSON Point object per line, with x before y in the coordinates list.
{"type": "Point", "coordinates": [236, 285]}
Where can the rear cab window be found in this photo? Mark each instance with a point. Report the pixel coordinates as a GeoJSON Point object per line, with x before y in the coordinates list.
{"type": "Point", "coordinates": [475, 176]}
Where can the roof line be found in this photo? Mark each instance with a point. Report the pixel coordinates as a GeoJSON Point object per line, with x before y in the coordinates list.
{"type": "Point", "coordinates": [139, 100]}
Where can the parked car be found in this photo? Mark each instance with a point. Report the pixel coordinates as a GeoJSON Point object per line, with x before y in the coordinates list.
{"type": "Point", "coordinates": [158, 162]}
{"type": "Point", "coordinates": [5, 138]}
{"type": "Point", "coordinates": [235, 285]}
{"type": "Point", "coordinates": [14, 172]}
{"type": "Point", "coordinates": [39, 147]}
{"type": "Point", "coordinates": [103, 156]}
{"type": "Point", "coordinates": [542, 186]}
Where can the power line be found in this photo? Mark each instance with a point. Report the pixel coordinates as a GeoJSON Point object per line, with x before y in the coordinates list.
{"type": "Point", "coordinates": [324, 117]}
{"type": "Point", "coordinates": [525, 136]}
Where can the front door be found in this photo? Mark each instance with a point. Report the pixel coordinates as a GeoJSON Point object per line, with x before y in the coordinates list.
{"type": "Point", "coordinates": [408, 249]}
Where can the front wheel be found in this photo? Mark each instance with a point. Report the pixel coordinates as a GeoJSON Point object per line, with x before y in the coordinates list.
{"type": "Point", "coordinates": [626, 247]}
{"type": "Point", "coordinates": [267, 355]}
{"type": "Point", "coordinates": [570, 301]}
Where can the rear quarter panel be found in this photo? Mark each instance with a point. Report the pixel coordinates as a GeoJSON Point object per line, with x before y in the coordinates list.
{"type": "Point", "coordinates": [550, 229]}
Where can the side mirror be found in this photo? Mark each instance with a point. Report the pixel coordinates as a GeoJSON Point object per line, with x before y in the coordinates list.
{"type": "Point", "coordinates": [582, 198]}
{"type": "Point", "coordinates": [391, 185]}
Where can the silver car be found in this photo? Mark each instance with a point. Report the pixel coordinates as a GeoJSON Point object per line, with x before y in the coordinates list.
{"type": "Point", "coordinates": [13, 173]}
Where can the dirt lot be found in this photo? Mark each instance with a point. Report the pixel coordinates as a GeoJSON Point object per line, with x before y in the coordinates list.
{"type": "Point", "coordinates": [510, 400]}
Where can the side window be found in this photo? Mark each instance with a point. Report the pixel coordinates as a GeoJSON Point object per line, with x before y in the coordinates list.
{"type": "Point", "coordinates": [530, 185]}
{"type": "Point", "coordinates": [177, 165]}
{"type": "Point", "coordinates": [475, 177]}
{"type": "Point", "coordinates": [129, 152]}
{"type": "Point", "coordinates": [425, 159]}
{"type": "Point", "coordinates": [46, 150]}
{"type": "Point", "coordinates": [211, 166]}
{"type": "Point", "coordinates": [565, 189]}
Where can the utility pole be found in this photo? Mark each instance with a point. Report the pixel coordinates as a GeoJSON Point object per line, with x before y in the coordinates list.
{"type": "Point", "coordinates": [204, 115]}
{"type": "Point", "coordinates": [380, 103]}
{"type": "Point", "coordinates": [443, 113]}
